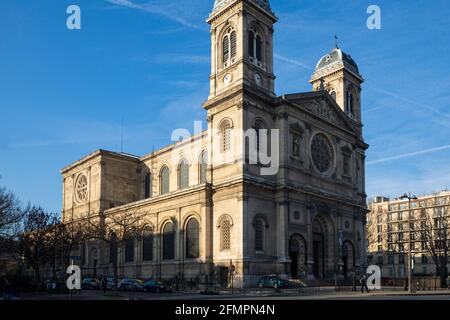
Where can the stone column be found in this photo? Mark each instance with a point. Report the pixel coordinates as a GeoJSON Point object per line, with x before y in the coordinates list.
{"type": "Point", "coordinates": [309, 243]}
{"type": "Point", "coordinates": [283, 239]}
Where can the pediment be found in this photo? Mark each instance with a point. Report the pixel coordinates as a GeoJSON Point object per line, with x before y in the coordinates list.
{"type": "Point", "coordinates": [323, 106]}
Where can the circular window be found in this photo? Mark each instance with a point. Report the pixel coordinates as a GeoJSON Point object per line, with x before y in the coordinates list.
{"type": "Point", "coordinates": [322, 153]}
{"type": "Point", "coordinates": [81, 188]}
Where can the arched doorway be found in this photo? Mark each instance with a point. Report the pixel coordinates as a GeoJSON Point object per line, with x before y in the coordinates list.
{"type": "Point", "coordinates": [297, 253]}
{"type": "Point", "coordinates": [348, 254]}
{"type": "Point", "coordinates": [318, 249]}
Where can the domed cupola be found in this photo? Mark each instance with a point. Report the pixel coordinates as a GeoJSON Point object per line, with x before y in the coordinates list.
{"type": "Point", "coordinates": [335, 60]}
{"type": "Point", "coordinates": [337, 73]}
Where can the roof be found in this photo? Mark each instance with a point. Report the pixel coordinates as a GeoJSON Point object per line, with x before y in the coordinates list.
{"type": "Point", "coordinates": [337, 56]}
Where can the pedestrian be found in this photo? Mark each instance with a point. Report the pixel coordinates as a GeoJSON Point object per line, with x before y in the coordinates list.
{"type": "Point", "coordinates": [104, 283]}
{"type": "Point", "coordinates": [363, 282]}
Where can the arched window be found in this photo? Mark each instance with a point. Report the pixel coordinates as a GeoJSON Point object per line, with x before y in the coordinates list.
{"type": "Point", "coordinates": [147, 244]}
{"type": "Point", "coordinates": [113, 248]}
{"type": "Point", "coordinates": [229, 47]}
{"type": "Point", "coordinates": [192, 239]}
{"type": "Point", "coordinates": [225, 235]}
{"type": "Point", "coordinates": [255, 46]}
{"type": "Point", "coordinates": [226, 49]}
{"type": "Point", "coordinates": [148, 186]}
{"type": "Point", "coordinates": [129, 249]}
{"type": "Point", "coordinates": [226, 136]}
{"type": "Point", "coordinates": [259, 235]}
{"type": "Point", "coordinates": [203, 166]}
{"type": "Point", "coordinates": [349, 105]}
{"type": "Point", "coordinates": [164, 180]}
{"type": "Point", "coordinates": [233, 44]}
{"type": "Point", "coordinates": [183, 174]}
{"type": "Point", "coordinates": [168, 242]}
{"type": "Point", "coordinates": [258, 45]}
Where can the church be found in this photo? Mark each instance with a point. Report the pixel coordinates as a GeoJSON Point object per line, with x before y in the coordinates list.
{"type": "Point", "coordinates": [206, 208]}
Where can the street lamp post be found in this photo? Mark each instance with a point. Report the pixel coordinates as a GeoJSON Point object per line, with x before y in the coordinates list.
{"type": "Point", "coordinates": [409, 197]}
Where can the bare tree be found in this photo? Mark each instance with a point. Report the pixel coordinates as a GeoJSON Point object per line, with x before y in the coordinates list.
{"type": "Point", "coordinates": [34, 238]}
{"type": "Point", "coordinates": [113, 231]}
{"type": "Point", "coordinates": [10, 212]}
{"type": "Point", "coordinates": [433, 230]}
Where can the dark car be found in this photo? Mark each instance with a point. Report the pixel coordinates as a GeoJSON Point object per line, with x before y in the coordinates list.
{"type": "Point", "coordinates": [131, 285]}
{"type": "Point", "coordinates": [273, 282]}
{"type": "Point", "coordinates": [156, 286]}
{"type": "Point", "coordinates": [111, 284]}
{"type": "Point", "coordinates": [91, 284]}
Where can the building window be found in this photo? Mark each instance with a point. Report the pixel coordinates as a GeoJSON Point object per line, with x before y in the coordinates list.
{"type": "Point", "coordinates": [147, 245]}
{"type": "Point", "coordinates": [380, 248]}
{"type": "Point", "coordinates": [400, 236]}
{"type": "Point", "coordinates": [391, 259]}
{"type": "Point", "coordinates": [183, 174]}
{"type": "Point", "coordinates": [400, 216]}
{"type": "Point", "coordinates": [259, 235]}
{"type": "Point", "coordinates": [400, 227]}
{"type": "Point", "coordinates": [225, 235]}
{"type": "Point", "coordinates": [297, 215]}
{"type": "Point", "coordinates": [401, 259]}
{"type": "Point", "coordinates": [349, 105]}
{"type": "Point", "coordinates": [129, 249]}
{"type": "Point", "coordinates": [379, 219]}
{"type": "Point", "coordinates": [226, 49]}
{"type": "Point", "coordinates": [168, 242]}
{"type": "Point", "coordinates": [296, 140]}
{"type": "Point", "coordinates": [226, 136]}
{"type": "Point", "coordinates": [113, 248]}
{"type": "Point", "coordinates": [164, 180]}
{"type": "Point", "coordinates": [380, 238]}
{"type": "Point", "coordinates": [379, 228]}
{"type": "Point", "coordinates": [346, 165]}
{"type": "Point", "coordinates": [389, 227]}
{"type": "Point", "coordinates": [148, 186]}
{"type": "Point", "coordinates": [255, 47]}
{"type": "Point", "coordinates": [203, 167]}
{"type": "Point", "coordinates": [192, 239]}
{"type": "Point", "coordinates": [229, 47]}
{"type": "Point", "coordinates": [380, 260]}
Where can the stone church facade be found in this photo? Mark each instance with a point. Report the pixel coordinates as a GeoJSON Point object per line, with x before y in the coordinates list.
{"type": "Point", "coordinates": [205, 207]}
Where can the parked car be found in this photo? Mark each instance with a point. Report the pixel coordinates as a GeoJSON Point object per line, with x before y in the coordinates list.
{"type": "Point", "coordinates": [156, 286]}
{"type": "Point", "coordinates": [91, 284]}
{"type": "Point", "coordinates": [131, 285]}
{"type": "Point", "coordinates": [111, 284]}
{"type": "Point", "coordinates": [273, 281]}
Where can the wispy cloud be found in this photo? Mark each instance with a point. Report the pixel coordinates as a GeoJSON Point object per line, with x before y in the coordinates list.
{"type": "Point", "coordinates": [159, 8]}
{"type": "Point", "coordinates": [410, 154]}
{"type": "Point", "coordinates": [176, 58]}
{"type": "Point", "coordinates": [294, 62]}
{"type": "Point", "coordinates": [394, 95]}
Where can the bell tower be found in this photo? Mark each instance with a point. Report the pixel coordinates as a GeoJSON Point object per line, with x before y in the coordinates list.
{"type": "Point", "coordinates": [338, 73]}
{"type": "Point", "coordinates": [241, 46]}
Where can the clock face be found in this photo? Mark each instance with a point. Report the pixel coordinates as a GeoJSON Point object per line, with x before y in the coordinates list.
{"type": "Point", "coordinates": [258, 78]}
{"type": "Point", "coordinates": [227, 79]}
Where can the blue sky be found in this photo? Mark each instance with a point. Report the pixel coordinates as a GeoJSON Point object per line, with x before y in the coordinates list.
{"type": "Point", "coordinates": [64, 93]}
